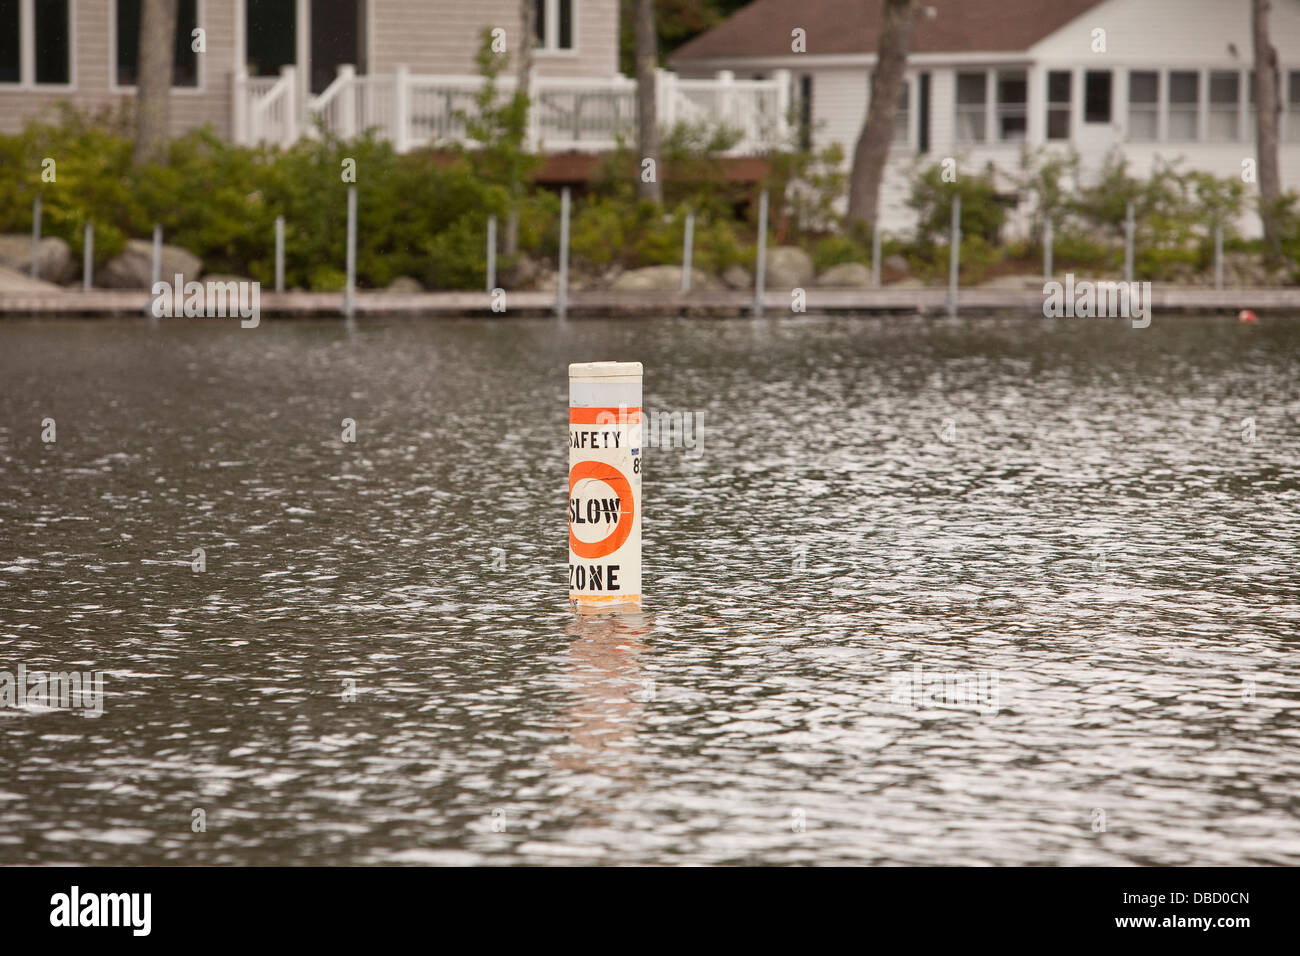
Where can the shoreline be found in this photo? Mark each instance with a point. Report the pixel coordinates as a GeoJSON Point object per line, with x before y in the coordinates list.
{"type": "Point", "coordinates": [107, 303]}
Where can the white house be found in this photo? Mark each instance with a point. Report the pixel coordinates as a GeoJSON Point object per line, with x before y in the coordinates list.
{"type": "Point", "coordinates": [1155, 79]}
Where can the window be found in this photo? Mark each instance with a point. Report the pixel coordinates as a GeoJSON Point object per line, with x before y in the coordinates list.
{"type": "Point", "coordinates": [1184, 99]}
{"type": "Point", "coordinates": [554, 24]}
{"type": "Point", "coordinates": [805, 111]}
{"type": "Point", "coordinates": [902, 117]}
{"type": "Point", "coordinates": [1058, 104]}
{"type": "Point", "coordinates": [1225, 106]}
{"type": "Point", "coordinates": [1013, 105]}
{"type": "Point", "coordinates": [1143, 104]}
{"type": "Point", "coordinates": [1293, 106]}
{"type": "Point", "coordinates": [270, 36]}
{"type": "Point", "coordinates": [185, 62]}
{"type": "Point", "coordinates": [972, 107]}
{"type": "Point", "coordinates": [1096, 96]}
{"type": "Point", "coordinates": [53, 31]}
{"type": "Point", "coordinates": [10, 67]}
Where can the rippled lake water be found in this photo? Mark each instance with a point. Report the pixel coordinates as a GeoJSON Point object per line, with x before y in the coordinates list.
{"type": "Point", "coordinates": [1089, 535]}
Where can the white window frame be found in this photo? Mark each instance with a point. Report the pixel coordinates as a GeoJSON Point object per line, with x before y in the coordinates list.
{"type": "Point", "coordinates": [1212, 109]}
{"type": "Point", "coordinates": [551, 29]}
{"type": "Point", "coordinates": [200, 71]}
{"type": "Point", "coordinates": [27, 51]}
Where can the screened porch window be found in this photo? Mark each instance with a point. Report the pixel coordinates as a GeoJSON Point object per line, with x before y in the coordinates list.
{"type": "Point", "coordinates": [972, 107]}
{"type": "Point", "coordinates": [1143, 104]}
{"type": "Point", "coordinates": [1058, 104]}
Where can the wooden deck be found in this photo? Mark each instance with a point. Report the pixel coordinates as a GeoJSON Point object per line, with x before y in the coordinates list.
{"type": "Point", "coordinates": [927, 301]}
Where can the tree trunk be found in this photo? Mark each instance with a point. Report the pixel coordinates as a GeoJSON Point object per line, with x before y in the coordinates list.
{"type": "Point", "coordinates": [647, 119]}
{"type": "Point", "coordinates": [1270, 109]}
{"type": "Point", "coordinates": [873, 143]}
{"type": "Point", "coordinates": [524, 85]}
{"type": "Point", "coordinates": [154, 80]}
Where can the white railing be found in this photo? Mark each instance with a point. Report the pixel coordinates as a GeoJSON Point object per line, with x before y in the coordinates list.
{"type": "Point", "coordinates": [413, 110]}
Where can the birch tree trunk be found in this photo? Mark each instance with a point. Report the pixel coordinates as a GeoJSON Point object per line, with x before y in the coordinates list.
{"type": "Point", "coordinates": [1266, 98]}
{"type": "Point", "coordinates": [154, 80]}
{"type": "Point", "coordinates": [647, 123]}
{"type": "Point", "coordinates": [886, 85]}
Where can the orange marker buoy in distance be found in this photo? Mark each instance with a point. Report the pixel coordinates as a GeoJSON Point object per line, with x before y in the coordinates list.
{"type": "Point", "coordinates": [1245, 315]}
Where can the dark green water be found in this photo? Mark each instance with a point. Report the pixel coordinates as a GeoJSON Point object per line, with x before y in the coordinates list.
{"type": "Point", "coordinates": [1094, 530]}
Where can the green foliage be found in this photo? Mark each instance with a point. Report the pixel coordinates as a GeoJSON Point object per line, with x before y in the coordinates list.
{"type": "Point", "coordinates": [982, 210]}
{"type": "Point", "coordinates": [837, 250]}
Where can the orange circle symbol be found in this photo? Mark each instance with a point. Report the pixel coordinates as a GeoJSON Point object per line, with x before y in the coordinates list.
{"type": "Point", "coordinates": [602, 471]}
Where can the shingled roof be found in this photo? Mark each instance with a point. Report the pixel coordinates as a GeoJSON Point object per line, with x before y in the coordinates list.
{"type": "Point", "coordinates": [853, 26]}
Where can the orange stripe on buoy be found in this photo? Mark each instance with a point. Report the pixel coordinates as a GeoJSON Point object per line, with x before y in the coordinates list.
{"type": "Point", "coordinates": [604, 416]}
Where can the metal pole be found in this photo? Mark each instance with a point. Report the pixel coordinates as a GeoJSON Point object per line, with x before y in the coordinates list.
{"type": "Point", "coordinates": [492, 254]}
{"type": "Point", "coordinates": [350, 291]}
{"type": "Point", "coordinates": [155, 270]}
{"type": "Point", "coordinates": [562, 292]}
{"type": "Point", "coordinates": [760, 262]}
{"type": "Point", "coordinates": [954, 256]}
{"type": "Point", "coordinates": [1218, 255]}
{"type": "Point", "coordinates": [88, 258]}
{"type": "Point", "coordinates": [1130, 227]}
{"type": "Point", "coordinates": [875, 257]}
{"type": "Point", "coordinates": [688, 251]}
{"type": "Point", "coordinates": [36, 238]}
{"type": "Point", "coordinates": [1048, 239]}
{"type": "Point", "coordinates": [279, 253]}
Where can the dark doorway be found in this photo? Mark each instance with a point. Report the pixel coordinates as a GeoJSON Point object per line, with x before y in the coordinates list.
{"type": "Point", "coordinates": [270, 36]}
{"type": "Point", "coordinates": [338, 36]}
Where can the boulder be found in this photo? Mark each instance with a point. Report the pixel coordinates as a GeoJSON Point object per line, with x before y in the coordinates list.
{"type": "Point", "coordinates": [787, 267]}
{"type": "Point", "coordinates": [133, 268]}
{"type": "Point", "coordinates": [405, 285]}
{"type": "Point", "coordinates": [13, 280]}
{"type": "Point", "coordinates": [1014, 282]}
{"type": "Point", "coordinates": [661, 279]}
{"type": "Point", "coordinates": [53, 257]}
{"type": "Point", "coordinates": [737, 277]}
{"type": "Point", "coordinates": [847, 275]}
{"type": "Point", "coordinates": [896, 263]}
{"type": "Point", "coordinates": [908, 283]}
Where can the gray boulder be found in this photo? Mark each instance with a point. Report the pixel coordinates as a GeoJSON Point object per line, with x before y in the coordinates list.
{"type": "Point", "coordinates": [847, 275]}
{"type": "Point", "coordinates": [132, 269]}
{"type": "Point", "coordinates": [405, 285]}
{"type": "Point", "coordinates": [53, 257]}
{"type": "Point", "coordinates": [737, 277]}
{"type": "Point", "coordinates": [787, 267]}
{"type": "Point", "coordinates": [14, 280]}
{"type": "Point", "coordinates": [896, 263]}
{"type": "Point", "coordinates": [660, 279]}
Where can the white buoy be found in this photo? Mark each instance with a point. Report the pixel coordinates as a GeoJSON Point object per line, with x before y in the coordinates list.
{"type": "Point", "coordinates": [605, 465]}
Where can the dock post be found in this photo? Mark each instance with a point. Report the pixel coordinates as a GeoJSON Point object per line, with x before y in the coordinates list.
{"type": "Point", "coordinates": [350, 289]}
{"type": "Point", "coordinates": [954, 257]}
{"type": "Point", "coordinates": [491, 253]}
{"type": "Point", "coordinates": [688, 251]}
{"type": "Point", "coordinates": [875, 256]}
{"type": "Point", "coordinates": [760, 260]}
{"type": "Point", "coordinates": [36, 237]}
{"type": "Point", "coordinates": [279, 253]}
{"type": "Point", "coordinates": [1130, 227]}
{"type": "Point", "coordinates": [562, 285]}
{"type": "Point", "coordinates": [1048, 239]}
{"type": "Point", "coordinates": [155, 270]}
{"type": "Point", "coordinates": [88, 257]}
{"type": "Point", "coordinates": [1218, 255]}
{"type": "Point", "coordinates": [604, 531]}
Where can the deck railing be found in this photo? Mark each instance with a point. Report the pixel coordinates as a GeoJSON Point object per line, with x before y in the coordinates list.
{"type": "Point", "coordinates": [566, 113]}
